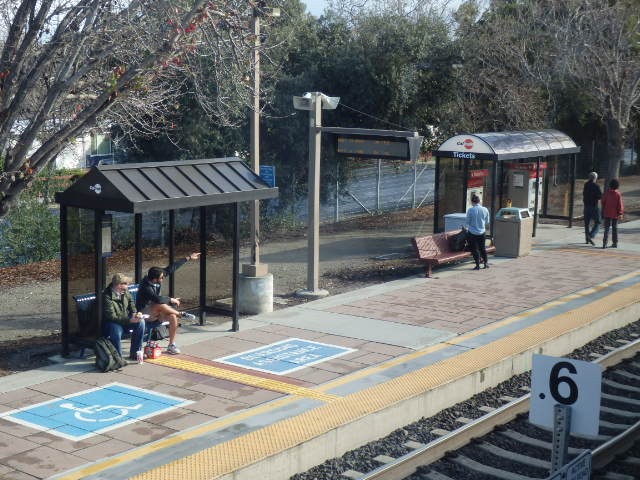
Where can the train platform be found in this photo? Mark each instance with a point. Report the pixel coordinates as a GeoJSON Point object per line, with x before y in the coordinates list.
{"type": "Point", "coordinates": [303, 384]}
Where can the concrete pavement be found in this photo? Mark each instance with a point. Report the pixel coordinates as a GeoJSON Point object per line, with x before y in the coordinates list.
{"type": "Point", "coordinates": [367, 337]}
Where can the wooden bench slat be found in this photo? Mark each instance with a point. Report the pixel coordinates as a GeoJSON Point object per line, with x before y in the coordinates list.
{"type": "Point", "coordinates": [435, 250]}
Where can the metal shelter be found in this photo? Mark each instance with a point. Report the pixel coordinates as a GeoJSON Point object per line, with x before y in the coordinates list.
{"type": "Point", "coordinates": [506, 165]}
{"type": "Point", "coordinates": [151, 187]}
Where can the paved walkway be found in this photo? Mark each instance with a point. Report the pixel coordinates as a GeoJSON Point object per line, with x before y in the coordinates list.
{"type": "Point", "coordinates": [69, 421]}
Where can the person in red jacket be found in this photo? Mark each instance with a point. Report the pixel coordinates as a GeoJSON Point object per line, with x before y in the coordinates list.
{"type": "Point", "coordinates": [612, 211]}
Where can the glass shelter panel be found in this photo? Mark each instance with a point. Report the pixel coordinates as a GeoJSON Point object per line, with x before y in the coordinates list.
{"type": "Point", "coordinates": [450, 185]}
{"type": "Point", "coordinates": [457, 185]}
{"type": "Point", "coordinates": [558, 185]}
{"type": "Point", "coordinates": [81, 261]}
{"type": "Point", "coordinates": [219, 266]}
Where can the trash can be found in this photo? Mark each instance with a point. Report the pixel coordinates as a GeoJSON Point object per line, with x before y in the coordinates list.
{"type": "Point", "coordinates": [512, 232]}
{"type": "Point", "coordinates": [454, 221]}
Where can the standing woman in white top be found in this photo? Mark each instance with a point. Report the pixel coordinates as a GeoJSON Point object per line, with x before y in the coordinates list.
{"type": "Point", "coordinates": [477, 223]}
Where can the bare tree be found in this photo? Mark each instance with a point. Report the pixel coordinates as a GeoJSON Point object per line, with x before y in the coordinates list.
{"type": "Point", "coordinates": [521, 56]}
{"type": "Point", "coordinates": [600, 54]}
{"type": "Point", "coordinates": [66, 65]}
{"type": "Point", "coordinates": [505, 84]}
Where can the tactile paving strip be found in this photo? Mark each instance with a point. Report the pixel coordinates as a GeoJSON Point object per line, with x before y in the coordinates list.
{"type": "Point", "coordinates": [244, 378]}
{"type": "Point", "coordinates": [254, 446]}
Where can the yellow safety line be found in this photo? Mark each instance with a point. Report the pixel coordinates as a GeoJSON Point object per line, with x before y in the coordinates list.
{"type": "Point", "coordinates": [270, 440]}
{"type": "Point", "coordinates": [235, 418]}
{"type": "Point", "coordinates": [176, 439]}
{"type": "Point", "coordinates": [473, 334]}
{"type": "Point", "coordinates": [239, 377]}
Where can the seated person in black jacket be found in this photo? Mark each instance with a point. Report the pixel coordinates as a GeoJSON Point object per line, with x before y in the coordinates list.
{"type": "Point", "coordinates": [160, 307]}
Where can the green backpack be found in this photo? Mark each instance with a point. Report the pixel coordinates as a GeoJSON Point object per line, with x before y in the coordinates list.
{"type": "Point", "coordinates": [107, 357]}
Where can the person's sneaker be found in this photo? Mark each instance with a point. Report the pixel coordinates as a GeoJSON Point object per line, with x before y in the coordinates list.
{"type": "Point", "coordinates": [188, 316]}
{"type": "Point", "coordinates": [173, 349]}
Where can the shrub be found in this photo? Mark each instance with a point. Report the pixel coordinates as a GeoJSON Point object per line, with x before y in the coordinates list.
{"type": "Point", "coordinates": [30, 233]}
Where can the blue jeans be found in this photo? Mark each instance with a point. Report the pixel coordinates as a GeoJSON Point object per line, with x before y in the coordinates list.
{"type": "Point", "coordinates": [113, 331]}
{"type": "Point", "coordinates": [591, 214]}
{"type": "Point", "coordinates": [613, 223]}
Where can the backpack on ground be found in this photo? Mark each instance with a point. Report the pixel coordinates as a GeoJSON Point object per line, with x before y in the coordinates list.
{"type": "Point", "coordinates": [107, 357]}
{"type": "Point", "coordinates": [160, 333]}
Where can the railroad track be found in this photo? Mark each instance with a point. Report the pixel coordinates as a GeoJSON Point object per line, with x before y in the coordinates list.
{"type": "Point", "coordinates": [503, 445]}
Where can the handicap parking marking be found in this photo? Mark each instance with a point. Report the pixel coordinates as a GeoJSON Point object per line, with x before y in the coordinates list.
{"type": "Point", "coordinates": [94, 411]}
{"type": "Point", "coordinates": [285, 356]}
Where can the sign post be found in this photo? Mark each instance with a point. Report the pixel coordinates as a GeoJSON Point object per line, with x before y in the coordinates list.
{"type": "Point", "coordinates": [565, 396]}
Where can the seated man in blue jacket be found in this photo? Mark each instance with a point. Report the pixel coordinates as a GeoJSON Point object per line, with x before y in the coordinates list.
{"type": "Point", "coordinates": [119, 313]}
{"type": "Point", "coordinates": [159, 307]}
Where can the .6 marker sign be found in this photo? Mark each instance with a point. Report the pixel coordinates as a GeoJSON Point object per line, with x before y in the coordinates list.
{"type": "Point", "coordinates": [564, 381]}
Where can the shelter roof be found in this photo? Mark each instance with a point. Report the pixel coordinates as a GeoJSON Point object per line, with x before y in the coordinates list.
{"type": "Point", "coordinates": [508, 145]}
{"type": "Point", "coordinates": [148, 187]}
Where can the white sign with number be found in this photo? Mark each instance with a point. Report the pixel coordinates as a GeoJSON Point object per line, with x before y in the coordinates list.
{"type": "Point", "coordinates": [569, 382]}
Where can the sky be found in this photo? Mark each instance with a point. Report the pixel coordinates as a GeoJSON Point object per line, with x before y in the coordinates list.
{"type": "Point", "coordinates": [315, 7]}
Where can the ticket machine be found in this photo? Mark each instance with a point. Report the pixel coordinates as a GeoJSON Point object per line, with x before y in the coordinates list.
{"type": "Point", "coordinates": [475, 184]}
{"type": "Point", "coordinates": [521, 185]}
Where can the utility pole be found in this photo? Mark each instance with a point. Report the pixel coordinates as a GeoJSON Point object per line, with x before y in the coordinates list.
{"type": "Point", "coordinates": [255, 284]}
{"type": "Point", "coordinates": [255, 269]}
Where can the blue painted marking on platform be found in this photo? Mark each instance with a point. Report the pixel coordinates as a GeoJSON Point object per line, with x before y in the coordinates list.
{"type": "Point", "coordinates": [91, 412]}
{"type": "Point", "coordinates": [285, 356]}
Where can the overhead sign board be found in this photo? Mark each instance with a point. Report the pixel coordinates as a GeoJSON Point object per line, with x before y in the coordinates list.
{"type": "Point", "coordinates": [565, 381]}
{"type": "Point", "coordinates": [373, 147]}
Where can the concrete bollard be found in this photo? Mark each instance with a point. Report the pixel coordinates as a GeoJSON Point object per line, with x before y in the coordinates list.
{"type": "Point", "coordinates": [255, 294]}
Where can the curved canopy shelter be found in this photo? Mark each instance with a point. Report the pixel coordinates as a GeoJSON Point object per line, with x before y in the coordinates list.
{"type": "Point", "coordinates": [525, 169]}
{"type": "Point", "coordinates": [141, 189]}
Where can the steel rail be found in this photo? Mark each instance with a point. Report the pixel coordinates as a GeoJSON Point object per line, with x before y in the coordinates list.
{"type": "Point", "coordinates": [407, 464]}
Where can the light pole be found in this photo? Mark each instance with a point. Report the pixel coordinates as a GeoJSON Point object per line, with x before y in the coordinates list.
{"type": "Point", "coordinates": [314, 103]}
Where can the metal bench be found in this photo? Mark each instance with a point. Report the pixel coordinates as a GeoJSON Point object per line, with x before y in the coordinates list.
{"type": "Point", "coordinates": [435, 250]}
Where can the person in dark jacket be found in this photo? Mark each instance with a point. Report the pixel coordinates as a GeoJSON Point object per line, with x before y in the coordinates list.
{"type": "Point", "coordinates": [591, 193]}
{"type": "Point", "coordinates": [612, 211]}
{"type": "Point", "coordinates": [119, 313]}
{"type": "Point", "coordinates": [161, 308]}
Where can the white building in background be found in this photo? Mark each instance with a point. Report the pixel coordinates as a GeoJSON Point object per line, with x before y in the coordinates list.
{"type": "Point", "coordinates": [86, 151]}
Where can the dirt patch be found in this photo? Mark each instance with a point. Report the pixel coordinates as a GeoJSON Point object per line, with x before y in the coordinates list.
{"type": "Point", "coordinates": [29, 327]}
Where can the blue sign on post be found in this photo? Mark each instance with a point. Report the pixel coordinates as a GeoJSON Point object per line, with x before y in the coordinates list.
{"type": "Point", "coordinates": [268, 174]}
{"type": "Point", "coordinates": [286, 356]}
{"type": "Point", "coordinates": [90, 412]}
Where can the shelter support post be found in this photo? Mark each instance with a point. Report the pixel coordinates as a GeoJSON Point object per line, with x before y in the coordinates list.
{"type": "Point", "coordinates": [465, 175]}
{"type": "Point", "coordinates": [536, 200]}
{"type": "Point", "coordinates": [137, 222]}
{"type": "Point", "coordinates": [203, 261]}
{"type": "Point", "coordinates": [436, 197]}
{"type": "Point", "coordinates": [494, 187]}
{"type": "Point", "coordinates": [236, 267]}
{"type": "Point", "coordinates": [64, 277]}
{"type": "Point", "coordinates": [98, 263]}
{"type": "Point", "coordinates": [572, 169]}
{"type": "Point", "coordinates": [172, 250]}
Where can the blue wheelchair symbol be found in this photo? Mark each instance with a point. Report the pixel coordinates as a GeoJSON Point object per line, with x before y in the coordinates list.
{"type": "Point", "coordinates": [84, 414]}
{"type": "Point", "coordinates": [96, 413]}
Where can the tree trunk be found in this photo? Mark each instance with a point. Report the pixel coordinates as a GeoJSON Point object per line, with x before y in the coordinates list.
{"type": "Point", "coordinates": [615, 148]}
